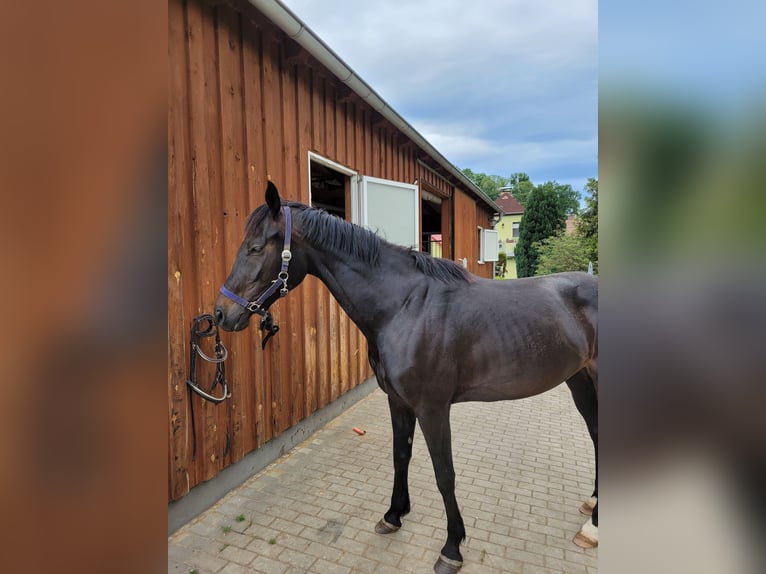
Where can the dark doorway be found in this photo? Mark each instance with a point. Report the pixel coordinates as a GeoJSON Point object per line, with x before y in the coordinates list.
{"type": "Point", "coordinates": [329, 190]}
{"type": "Point", "coordinates": [431, 224]}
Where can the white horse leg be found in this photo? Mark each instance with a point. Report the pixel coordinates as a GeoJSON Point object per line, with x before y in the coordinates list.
{"type": "Point", "coordinates": [588, 535]}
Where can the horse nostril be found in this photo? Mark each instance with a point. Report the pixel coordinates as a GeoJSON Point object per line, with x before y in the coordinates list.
{"type": "Point", "coordinates": [218, 315]}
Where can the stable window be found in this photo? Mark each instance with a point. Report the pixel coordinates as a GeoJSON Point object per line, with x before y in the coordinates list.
{"type": "Point", "coordinates": [330, 186]}
{"type": "Point", "coordinates": [390, 209]}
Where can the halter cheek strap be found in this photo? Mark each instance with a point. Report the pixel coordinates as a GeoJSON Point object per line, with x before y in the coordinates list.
{"type": "Point", "coordinates": [278, 284]}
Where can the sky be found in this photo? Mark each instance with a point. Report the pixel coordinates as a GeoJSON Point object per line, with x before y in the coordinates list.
{"type": "Point", "coordinates": [703, 52]}
{"type": "Point", "coordinates": [497, 86]}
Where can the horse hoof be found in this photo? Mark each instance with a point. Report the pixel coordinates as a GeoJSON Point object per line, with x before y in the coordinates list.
{"type": "Point", "coordinates": [383, 527]}
{"type": "Point", "coordinates": [446, 565]}
{"type": "Point", "coordinates": [588, 506]}
{"type": "Point", "coordinates": [588, 536]}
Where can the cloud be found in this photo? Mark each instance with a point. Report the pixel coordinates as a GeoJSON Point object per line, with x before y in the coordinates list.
{"type": "Point", "coordinates": [506, 84]}
{"type": "Point", "coordinates": [459, 141]}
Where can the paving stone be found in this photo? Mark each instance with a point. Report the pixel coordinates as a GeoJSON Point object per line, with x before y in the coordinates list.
{"type": "Point", "coordinates": [522, 470]}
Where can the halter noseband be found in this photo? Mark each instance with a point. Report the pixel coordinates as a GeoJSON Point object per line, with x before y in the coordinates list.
{"type": "Point", "coordinates": [278, 284]}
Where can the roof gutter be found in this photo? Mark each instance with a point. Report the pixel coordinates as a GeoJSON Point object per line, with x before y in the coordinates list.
{"type": "Point", "coordinates": [296, 29]}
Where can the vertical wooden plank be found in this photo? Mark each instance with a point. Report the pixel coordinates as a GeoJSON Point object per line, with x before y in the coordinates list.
{"type": "Point", "coordinates": [380, 159]}
{"type": "Point", "coordinates": [364, 155]}
{"type": "Point", "coordinates": [209, 214]}
{"type": "Point", "coordinates": [234, 213]}
{"type": "Point", "coordinates": [272, 122]}
{"type": "Point", "coordinates": [368, 167]}
{"type": "Point", "coordinates": [334, 348]}
{"type": "Point", "coordinates": [358, 164]}
{"type": "Point", "coordinates": [364, 362]}
{"type": "Point", "coordinates": [350, 113]}
{"type": "Point", "coordinates": [407, 159]}
{"type": "Point", "coordinates": [343, 357]}
{"type": "Point", "coordinates": [404, 165]}
{"type": "Point", "coordinates": [340, 130]}
{"type": "Point", "coordinates": [284, 307]}
{"type": "Point", "coordinates": [294, 354]}
{"type": "Point", "coordinates": [310, 285]}
{"type": "Point", "coordinates": [179, 257]}
{"type": "Point", "coordinates": [323, 345]}
{"type": "Point", "coordinates": [322, 295]}
{"type": "Point", "coordinates": [329, 123]}
{"type": "Point", "coordinates": [217, 186]}
{"type": "Point", "coordinates": [344, 323]}
{"type": "Point", "coordinates": [205, 179]}
{"type": "Point", "coordinates": [257, 376]}
{"type": "Point", "coordinates": [349, 120]}
{"type": "Point", "coordinates": [377, 162]}
{"type": "Point", "coordinates": [317, 112]}
{"type": "Point", "coordinates": [310, 288]}
{"type": "Point", "coordinates": [396, 152]}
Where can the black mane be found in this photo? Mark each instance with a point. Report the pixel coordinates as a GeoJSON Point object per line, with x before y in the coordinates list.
{"type": "Point", "coordinates": [438, 268]}
{"type": "Point", "coordinates": [344, 238]}
{"type": "Point", "coordinates": [339, 236]}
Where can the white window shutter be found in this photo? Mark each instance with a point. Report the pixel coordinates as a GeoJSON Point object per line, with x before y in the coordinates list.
{"type": "Point", "coordinates": [390, 209]}
{"type": "Point", "coordinates": [488, 249]}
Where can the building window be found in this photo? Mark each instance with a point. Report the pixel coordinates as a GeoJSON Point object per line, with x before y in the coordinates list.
{"type": "Point", "coordinates": [390, 209]}
{"type": "Point", "coordinates": [329, 189]}
{"type": "Point", "coordinates": [516, 229]}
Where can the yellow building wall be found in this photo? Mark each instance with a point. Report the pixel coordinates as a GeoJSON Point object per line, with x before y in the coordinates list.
{"type": "Point", "coordinates": [508, 243]}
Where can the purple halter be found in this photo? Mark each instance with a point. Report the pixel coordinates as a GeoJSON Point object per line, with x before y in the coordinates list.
{"type": "Point", "coordinates": [278, 284]}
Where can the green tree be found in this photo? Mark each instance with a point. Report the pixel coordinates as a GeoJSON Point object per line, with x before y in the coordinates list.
{"type": "Point", "coordinates": [561, 252]}
{"type": "Point", "coordinates": [544, 216]}
{"type": "Point", "coordinates": [568, 197]}
{"type": "Point", "coordinates": [519, 177]}
{"type": "Point", "coordinates": [521, 186]}
{"type": "Point", "coordinates": [489, 184]}
{"type": "Point", "coordinates": [587, 222]}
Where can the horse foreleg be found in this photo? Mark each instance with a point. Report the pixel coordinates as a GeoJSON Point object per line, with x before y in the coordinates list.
{"type": "Point", "coordinates": [584, 392]}
{"type": "Point", "coordinates": [436, 430]}
{"type": "Point", "coordinates": [403, 423]}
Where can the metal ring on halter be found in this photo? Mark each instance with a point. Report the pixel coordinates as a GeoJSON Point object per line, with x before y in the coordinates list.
{"type": "Point", "coordinates": [213, 359]}
{"type": "Point", "coordinates": [226, 394]}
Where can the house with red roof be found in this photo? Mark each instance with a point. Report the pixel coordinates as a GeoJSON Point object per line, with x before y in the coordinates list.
{"type": "Point", "coordinates": [508, 231]}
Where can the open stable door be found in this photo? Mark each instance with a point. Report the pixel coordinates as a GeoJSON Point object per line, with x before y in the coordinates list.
{"type": "Point", "coordinates": [390, 209]}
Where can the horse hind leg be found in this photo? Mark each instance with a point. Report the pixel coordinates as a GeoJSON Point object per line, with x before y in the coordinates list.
{"type": "Point", "coordinates": [583, 388]}
{"type": "Point", "coordinates": [436, 431]}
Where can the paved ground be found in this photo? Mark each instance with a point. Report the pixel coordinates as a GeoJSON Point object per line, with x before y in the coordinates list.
{"type": "Point", "coordinates": [523, 469]}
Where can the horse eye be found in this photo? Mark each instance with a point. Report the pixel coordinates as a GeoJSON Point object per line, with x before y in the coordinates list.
{"type": "Point", "coordinates": [255, 249]}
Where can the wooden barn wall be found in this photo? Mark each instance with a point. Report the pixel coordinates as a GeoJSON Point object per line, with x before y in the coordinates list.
{"type": "Point", "coordinates": [246, 104]}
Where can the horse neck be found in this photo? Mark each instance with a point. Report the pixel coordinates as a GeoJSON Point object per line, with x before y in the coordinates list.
{"type": "Point", "coordinates": [370, 295]}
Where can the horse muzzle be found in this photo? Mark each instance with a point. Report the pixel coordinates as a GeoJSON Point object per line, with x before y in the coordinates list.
{"type": "Point", "coordinates": [231, 317]}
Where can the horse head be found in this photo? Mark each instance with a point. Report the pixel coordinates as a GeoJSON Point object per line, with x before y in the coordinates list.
{"type": "Point", "coordinates": [266, 267]}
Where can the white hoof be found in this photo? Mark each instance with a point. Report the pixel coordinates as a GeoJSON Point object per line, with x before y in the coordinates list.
{"type": "Point", "coordinates": [588, 506]}
{"type": "Point", "coordinates": [588, 535]}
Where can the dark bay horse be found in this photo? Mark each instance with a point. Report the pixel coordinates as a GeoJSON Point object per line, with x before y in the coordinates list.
{"type": "Point", "coordinates": [436, 334]}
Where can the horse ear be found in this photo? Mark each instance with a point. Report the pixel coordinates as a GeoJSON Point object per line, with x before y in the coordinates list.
{"type": "Point", "coordinates": [272, 199]}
